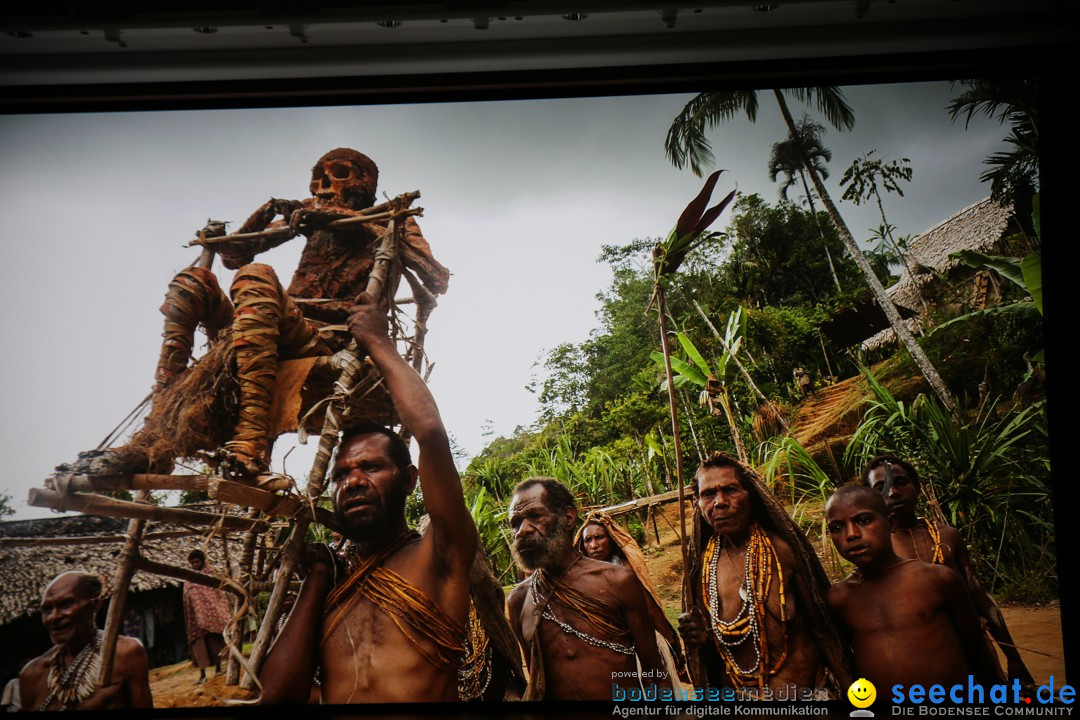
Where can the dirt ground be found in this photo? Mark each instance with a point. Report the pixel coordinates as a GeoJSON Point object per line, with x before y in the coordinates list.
{"type": "Point", "coordinates": [174, 686]}
{"type": "Point", "coordinates": [1036, 630]}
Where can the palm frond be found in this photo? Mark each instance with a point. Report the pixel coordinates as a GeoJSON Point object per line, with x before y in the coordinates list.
{"type": "Point", "coordinates": [829, 101]}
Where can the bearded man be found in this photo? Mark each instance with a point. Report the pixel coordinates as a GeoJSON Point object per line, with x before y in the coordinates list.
{"type": "Point", "coordinates": [759, 616]}
{"type": "Point", "coordinates": [65, 677]}
{"type": "Point", "coordinates": [581, 622]}
{"type": "Point", "coordinates": [389, 626]}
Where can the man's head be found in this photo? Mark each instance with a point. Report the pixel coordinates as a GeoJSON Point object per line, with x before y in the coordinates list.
{"type": "Point", "coordinates": [68, 607]}
{"type": "Point", "coordinates": [725, 498]}
{"type": "Point", "coordinates": [196, 559]}
{"type": "Point", "coordinates": [542, 516]}
{"type": "Point", "coordinates": [896, 480]}
{"type": "Point", "coordinates": [372, 477]}
{"type": "Point", "coordinates": [597, 543]}
{"type": "Point", "coordinates": [858, 523]}
{"type": "Point", "coordinates": [345, 178]}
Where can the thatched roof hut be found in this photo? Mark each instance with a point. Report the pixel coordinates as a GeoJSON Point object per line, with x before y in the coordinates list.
{"type": "Point", "coordinates": [27, 564]}
{"type": "Point", "coordinates": [33, 552]}
{"type": "Point", "coordinates": [980, 227]}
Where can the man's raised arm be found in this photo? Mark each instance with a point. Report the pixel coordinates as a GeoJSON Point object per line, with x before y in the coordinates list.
{"type": "Point", "coordinates": [452, 527]}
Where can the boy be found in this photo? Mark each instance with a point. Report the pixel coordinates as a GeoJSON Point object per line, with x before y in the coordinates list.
{"type": "Point", "coordinates": [908, 622]}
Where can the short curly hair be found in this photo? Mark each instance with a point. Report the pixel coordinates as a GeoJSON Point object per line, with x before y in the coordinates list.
{"type": "Point", "coordinates": [557, 496]}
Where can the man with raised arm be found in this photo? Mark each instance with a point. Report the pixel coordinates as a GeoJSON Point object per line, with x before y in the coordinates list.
{"type": "Point", "coordinates": [65, 677]}
{"type": "Point", "coordinates": [925, 539]}
{"type": "Point", "coordinates": [389, 626]}
{"type": "Point", "coordinates": [759, 616]}
{"type": "Point", "coordinates": [581, 622]}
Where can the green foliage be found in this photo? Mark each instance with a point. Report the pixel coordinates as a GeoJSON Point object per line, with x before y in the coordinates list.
{"type": "Point", "coordinates": [776, 256]}
{"type": "Point", "coordinates": [787, 155]}
{"type": "Point", "coordinates": [686, 143]}
{"type": "Point", "coordinates": [6, 508]}
{"type": "Point", "coordinates": [1014, 172]}
{"type": "Point", "coordinates": [865, 174]}
{"type": "Point", "coordinates": [988, 467]}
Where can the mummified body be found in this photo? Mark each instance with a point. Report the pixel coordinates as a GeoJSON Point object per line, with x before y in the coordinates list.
{"type": "Point", "coordinates": [261, 324]}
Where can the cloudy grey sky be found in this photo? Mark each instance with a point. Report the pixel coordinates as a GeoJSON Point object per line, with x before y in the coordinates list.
{"type": "Point", "coordinates": [518, 197]}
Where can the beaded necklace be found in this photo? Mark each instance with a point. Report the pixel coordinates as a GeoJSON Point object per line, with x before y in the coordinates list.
{"type": "Point", "coordinates": [475, 673]}
{"type": "Point", "coordinates": [748, 625]}
{"type": "Point", "coordinates": [937, 556]}
{"type": "Point", "coordinates": [79, 680]}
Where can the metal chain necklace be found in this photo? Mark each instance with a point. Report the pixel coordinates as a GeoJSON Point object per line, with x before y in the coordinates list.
{"type": "Point", "coordinates": [79, 680]}
{"type": "Point", "coordinates": [541, 603]}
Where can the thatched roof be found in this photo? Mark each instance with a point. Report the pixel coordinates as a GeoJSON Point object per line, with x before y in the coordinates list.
{"type": "Point", "coordinates": [27, 569]}
{"type": "Point", "coordinates": [978, 227]}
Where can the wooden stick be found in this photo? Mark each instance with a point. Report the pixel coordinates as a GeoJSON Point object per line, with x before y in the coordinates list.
{"type": "Point", "coordinates": [234, 493]}
{"type": "Point", "coordinates": [194, 483]}
{"type": "Point", "coordinates": [351, 368]}
{"type": "Point", "coordinates": [247, 558]}
{"type": "Point", "coordinates": [186, 574]}
{"type": "Point", "coordinates": [286, 232]}
{"type": "Point", "coordinates": [638, 503]}
{"type": "Point", "coordinates": [99, 505]}
{"type": "Point", "coordinates": [112, 483]}
{"type": "Point", "coordinates": [89, 539]}
{"type": "Point", "coordinates": [693, 658]}
{"type": "Point", "coordinates": [121, 581]}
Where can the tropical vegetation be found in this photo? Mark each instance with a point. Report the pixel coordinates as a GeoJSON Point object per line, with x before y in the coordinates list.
{"type": "Point", "coordinates": [745, 305]}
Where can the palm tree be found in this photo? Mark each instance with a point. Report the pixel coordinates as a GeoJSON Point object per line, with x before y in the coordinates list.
{"type": "Point", "coordinates": [1014, 100]}
{"type": "Point", "coordinates": [787, 160]}
{"type": "Point", "coordinates": [686, 143]}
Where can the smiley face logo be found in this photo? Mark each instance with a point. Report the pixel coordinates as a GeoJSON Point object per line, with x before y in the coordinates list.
{"type": "Point", "coordinates": [862, 693]}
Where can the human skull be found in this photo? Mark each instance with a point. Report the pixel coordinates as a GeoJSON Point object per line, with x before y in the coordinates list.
{"type": "Point", "coordinates": [345, 178]}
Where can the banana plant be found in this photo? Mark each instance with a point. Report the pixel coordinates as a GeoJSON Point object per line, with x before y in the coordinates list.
{"type": "Point", "coordinates": [714, 383]}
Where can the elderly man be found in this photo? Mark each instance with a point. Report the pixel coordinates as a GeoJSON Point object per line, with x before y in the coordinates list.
{"type": "Point", "coordinates": [581, 622]}
{"type": "Point", "coordinates": [758, 590]}
{"type": "Point", "coordinates": [390, 626]}
{"type": "Point", "coordinates": [65, 677]}
{"type": "Point", "coordinates": [924, 539]}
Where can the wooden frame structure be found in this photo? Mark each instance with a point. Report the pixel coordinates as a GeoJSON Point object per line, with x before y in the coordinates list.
{"type": "Point", "coordinates": [273, 501]}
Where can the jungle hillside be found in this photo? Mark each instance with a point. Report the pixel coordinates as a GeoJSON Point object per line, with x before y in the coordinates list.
{"type": "Point", "coordinates": [782, 353]}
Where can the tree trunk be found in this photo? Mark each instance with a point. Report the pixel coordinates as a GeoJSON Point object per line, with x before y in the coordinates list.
{"type": "Point", "coordinates": [902, 333]}
{"type": "Point", "coordinates": [821, 232]}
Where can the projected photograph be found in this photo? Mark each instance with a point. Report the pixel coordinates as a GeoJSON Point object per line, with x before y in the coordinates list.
{"type": "Point", "coordinates": [735, 396]}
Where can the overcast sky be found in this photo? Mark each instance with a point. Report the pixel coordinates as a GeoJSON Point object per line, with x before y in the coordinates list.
{"type": "Point", "coordinates": [518, 197]}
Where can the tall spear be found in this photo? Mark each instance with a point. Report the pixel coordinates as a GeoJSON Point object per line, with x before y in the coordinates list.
{"type": "Point", "coordinates": [688, 233]}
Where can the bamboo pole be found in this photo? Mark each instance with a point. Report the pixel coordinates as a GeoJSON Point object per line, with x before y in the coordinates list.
{"type": "Point", "coordinates": [99, 505]}
{"type": "Point", "coordinates": [351, 368]}
{"type": "Point", "coordinates": [121, 581]}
